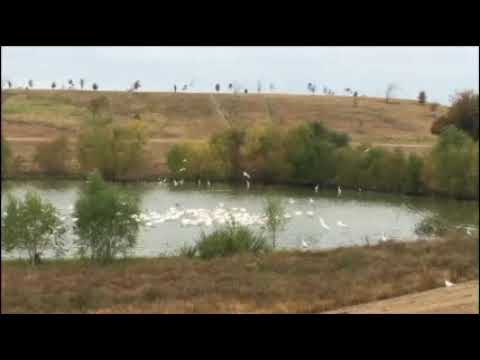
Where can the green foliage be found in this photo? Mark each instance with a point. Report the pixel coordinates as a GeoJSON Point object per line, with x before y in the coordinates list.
{"type": "Point", "coordinates": [107, 220]}
{"type": "Point", "coordinates": [33, 226]}
{"type": "Point", "coordinates": [188, 251]}
{"type": "Point", "coordinates": [52, 157]}
{"type": "Point", "coordinates": [6, 156]}
{"type": "Point", "coordinates": [432, 225]}
{"type": "Point", "coordinates": [229, 240]}
{"type": "Point", "coordinates": [114, 150]}
{"type": "Point", "coordinates": [275, 214]}
{"type": "Point", "coordinates": [454, 164]}
{"type": "Point", "coordinates": [463, 114]}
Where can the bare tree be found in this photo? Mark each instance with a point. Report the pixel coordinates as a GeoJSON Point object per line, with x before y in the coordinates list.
{"type": "Point", "coordinates": [82, 83]}
{"type": "Point", "coordinates": [311, 87]}
{"type": "Point", "coordinates": [175, 88]}
{"type": "Point", "coordinates": [391, 88]}
{"type": "Point", "coordinates": [10, 84]}
{"type": "Point", "coordinates": [70, 83]}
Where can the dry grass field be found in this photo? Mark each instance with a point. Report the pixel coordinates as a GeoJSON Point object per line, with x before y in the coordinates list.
{"type": "Point", "coordinates": [279, 282]}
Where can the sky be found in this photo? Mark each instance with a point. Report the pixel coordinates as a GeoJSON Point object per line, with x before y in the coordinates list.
{"type": "Point", "coordinates": [440, 71]}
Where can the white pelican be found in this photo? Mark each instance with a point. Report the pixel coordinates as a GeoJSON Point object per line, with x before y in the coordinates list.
{"type": "Point", "coordinates": [305, 245]}
{"type": "Point", "coordinates": [322, 222]}
{"type": "Point", "coordinates": [341, 224]}
{"type": "Point", "coordinates": [246, 175]}
{"type": "Point", "coordinates": [448, 284]}
{"type": "Point", "coordinates": [339, 190]}
{"type": "Point", "coordinates": [316, 188]}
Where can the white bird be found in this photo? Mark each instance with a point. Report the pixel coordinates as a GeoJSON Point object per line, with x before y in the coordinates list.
{"type": "Point", "coordinates": [246, 175]}
{"type": "Point", "coordinates": [469, 232]}
{"type": "Point", "coordinates": [199, 182]}
{"type": "Point", "coordinates": [311, 201]}
{"type": "Point", "coordinates": [184, 160]}
{"type": "Point", "coordinates": [341, 224]}
{"type": "Point", "coordinates": [221, 205]}
{"type": "Point", "coordinates": [339, 190]}
{"type": "Point", "coordinates": [322, 222]}
{"type": "Point", "coordinates": [309, 213]}
{"type": "Point", "coordinates": [287, 216]}
{"type": "Point", "coordinates": [384, 238]}
{"type": "Point", "coordinates": [291, 201]}
{"type": "Point", "coordinates": [448, 284]}
{"type": "Point", "coordinates": [208, 183]}
{"type": "Point", "coordinates": [175, 183]}
{"type": "Point", "coordinates": [182, 170]}
{"type": "Point", "coordinates": [298, 213]}
{"type": "Point", "coordinates": [316, 188]}
{"type": "Point", "coordinates": [248, 184]}
{"type": "Point", "coordinates": [367, 150]}
{"type": "Point", "coordinates": [359, 189]}
{"type": "Point", "coordinates": [304, 244]}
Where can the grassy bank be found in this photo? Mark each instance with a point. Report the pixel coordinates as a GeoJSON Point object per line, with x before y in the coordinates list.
{"type": "Point", "coordinates": [280, 282]}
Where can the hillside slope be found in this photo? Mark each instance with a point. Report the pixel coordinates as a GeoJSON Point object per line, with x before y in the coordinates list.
{"type": "Point", "coordinates": [33, 115]}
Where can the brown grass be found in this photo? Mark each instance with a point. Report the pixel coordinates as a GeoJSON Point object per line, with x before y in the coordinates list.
{"type": "Point", "coordinates": [281, 282]}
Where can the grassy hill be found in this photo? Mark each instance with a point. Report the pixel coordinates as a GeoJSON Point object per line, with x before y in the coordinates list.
{"type": "Point", "coordinates": [33, 115]}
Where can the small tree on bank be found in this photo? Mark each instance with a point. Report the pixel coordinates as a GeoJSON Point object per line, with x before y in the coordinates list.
{"type": "Point", "coordinates": [33, 226]}
{"type": "Point", "coordinates": [107, 220]}
{"type": "Point", "coordinates": [52, 157]}
{"type": "Point", "coordinates": [275, 214]}
{"type": "Point", "coordinates": [391, 88]}
{"type": "Point", "coordinates": [82, 83]}
{"type": "Point", "coordinates": [95, 86]}
{"type": "Point", "coordinates": [30, 84]}
{"type": "Point", "coordinates": [54, 85]}
{"type": "Point", "coordinates": [355, 98]}
{"type": "Point", "coordinates": [217, 88]}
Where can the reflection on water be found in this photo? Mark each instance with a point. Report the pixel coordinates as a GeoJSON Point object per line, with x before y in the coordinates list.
{"type": "Point", "coordinates": [367, 215]}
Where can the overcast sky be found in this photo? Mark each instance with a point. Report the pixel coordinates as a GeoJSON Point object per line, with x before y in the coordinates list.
{"type": "Point", "coordinates": [440, 71]}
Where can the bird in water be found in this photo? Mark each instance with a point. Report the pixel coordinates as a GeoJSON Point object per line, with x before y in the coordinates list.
{"type": "Point", "coordinates": [310, 201]}
{"type": "Point", "coordinates": [305, 245]}
{"type": "Point", "coordinates": [316, 188]}
{"type": "Point", "coordinates": [199, 182]}
{"type": "Point", "coordinates": [208, 183]}
{"type": "Point", "coordinates": [384, 238]}
{"type": "Point", "coordinates": [291, 201]}
{"type": "Point", "coordinates": [341, 224]}
{"type": "Point", "coordinates": [322, 222]}
{"type": "Point", "coordinates": [246, 175]}
{"type": "Point", "coordinates": [339, 190]}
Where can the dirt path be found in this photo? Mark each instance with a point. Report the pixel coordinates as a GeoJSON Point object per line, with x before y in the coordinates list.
{"type": "Point", "coordinates": [459, 299]}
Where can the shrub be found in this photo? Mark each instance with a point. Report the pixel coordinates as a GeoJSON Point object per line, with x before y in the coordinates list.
{"type": "Point", "coordinates": [32, 225]}
{"type": "Point", "coordinates": [107, 220]}
{"type": "Point", "coordinates": [229, 240]}
{"type": "Point", "coordinates": [422, 97]}
{"type": "Point", "coordinates": [6, 156]}
{"type": "Point", "coordinates": [432, 225]}
{"type": "Point", "coordinates": [274, 212]}
{"type": "Point", "coordinates": [52, 157]}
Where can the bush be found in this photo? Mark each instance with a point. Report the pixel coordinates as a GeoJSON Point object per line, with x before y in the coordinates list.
{"type": "Point", "coordinates": [463, 114]}
{"type": "Point", "coordinates": [116, 151]}
{"type": "Point", "coordinates": [422, 97]}
{"type": "Point", "coordinates": [33, 226]}
{"type": "Point", "coordinates": [52, 157]}
{"type": "Point", "coordinates": [6, 156]}
{"type": "Point", "coordinates": [432, 225]}
{"type": "Point", "coordinates": [107, 220]}
{"type": "Point", "coordinates": [229, 240]}
{"type": "Point", "coordinates": [274, 212]}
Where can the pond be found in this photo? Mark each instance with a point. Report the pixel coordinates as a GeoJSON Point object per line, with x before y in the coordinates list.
{"type": "Point", "coordinates": [353, 218]}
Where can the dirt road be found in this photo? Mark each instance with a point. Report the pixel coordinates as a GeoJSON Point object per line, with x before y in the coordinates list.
{"type": "Point", "coordinates": [459, 299]}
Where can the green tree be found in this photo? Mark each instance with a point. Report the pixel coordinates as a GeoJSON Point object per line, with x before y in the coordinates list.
{"type": "Point", "coordinates": [32, 225]}
{"type": "Point", "coordinates": [275, 216]}
{"type": "Point", "coordinates": [107, 220]}
{"type": "Point", "coordinates": [6, 156]}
